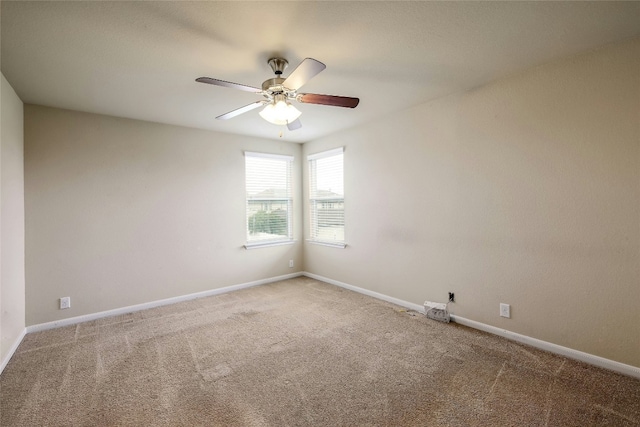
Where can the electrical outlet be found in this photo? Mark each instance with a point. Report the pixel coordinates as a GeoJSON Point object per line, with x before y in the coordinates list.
{"type": "Point", "coordinates": [65, 302]}
{"type": "Point", "coordinates": [505, 310]}
{"type": "Point", "coordinates": [452, 297]}
{"type": "Point", "coordinates": [290, 263]}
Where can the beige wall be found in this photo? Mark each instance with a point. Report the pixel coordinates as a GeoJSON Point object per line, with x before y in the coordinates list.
{"type": "Point", "coordinates": [12, 277]}
{"type": "Point", "coordinates": [122, 212]}
{"type": "Point", "coordinates": [526, 191]}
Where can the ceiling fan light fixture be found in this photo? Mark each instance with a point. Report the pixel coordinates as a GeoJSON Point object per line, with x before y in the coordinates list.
{"type": "Point", "coordinates": [280, 112]}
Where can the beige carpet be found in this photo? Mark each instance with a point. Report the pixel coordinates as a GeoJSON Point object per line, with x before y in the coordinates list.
{"type": "Point", "coordinates": [299, 352]}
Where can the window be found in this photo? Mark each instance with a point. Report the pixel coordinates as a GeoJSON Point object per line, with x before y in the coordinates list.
{"type": "Point", "coordinates": [326, 197]}
{"type": "Point", "coordinates": [269, 200]}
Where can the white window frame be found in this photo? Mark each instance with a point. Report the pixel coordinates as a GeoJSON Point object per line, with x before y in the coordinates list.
{"type": "Point", "coordinates": [315, 199]}
{"type": "Point", "coordinates": [286, 199]}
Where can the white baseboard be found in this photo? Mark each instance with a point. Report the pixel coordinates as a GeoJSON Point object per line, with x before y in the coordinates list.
{"type": "Point", "coordinates": [12, 350]}
{"type": "Point", "coordinates": [591, 359]}
{"type": "Point", "coordinates": [601, 362]}
{"type": "Point", "coordinates": [152, 304]}
{"type": "Point", "coordinates": [409, 305]}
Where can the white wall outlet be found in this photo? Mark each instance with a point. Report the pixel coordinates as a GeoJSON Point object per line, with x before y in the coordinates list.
{"type": "Point", "coordinates": [65, 302]}
{"type": "Point", "coordinates": [290, 263]}
{"type": "Point", "coordinates": [505, 310]}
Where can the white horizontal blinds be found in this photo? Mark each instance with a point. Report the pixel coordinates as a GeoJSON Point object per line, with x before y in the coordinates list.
{"type": "Point", "coordinates": [269, 197]}
{"type": "Point", "coordinates": [326, 196]}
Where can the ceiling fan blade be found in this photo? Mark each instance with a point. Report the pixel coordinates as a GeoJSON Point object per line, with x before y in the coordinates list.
{"type": "Point", "coordinates": [217, 82]}
{"type": "Point", "coordinates": [241, 110]}
{"type": "Point", "coordinates": [304, 72]}
{"type": "Point", "coordinates": [296, 124]}
{"type": "Point", "coordinates": [336, 101]}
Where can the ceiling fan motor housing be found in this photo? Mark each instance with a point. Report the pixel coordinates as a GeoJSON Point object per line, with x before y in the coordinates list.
{"type": "Point", "coordinates": [273, 85]}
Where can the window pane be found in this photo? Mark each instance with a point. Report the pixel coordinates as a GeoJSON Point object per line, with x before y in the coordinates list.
{"type": "Point", "coordinates": [269, 200]}
{"type": "Point", "coordinates": [326, 197]}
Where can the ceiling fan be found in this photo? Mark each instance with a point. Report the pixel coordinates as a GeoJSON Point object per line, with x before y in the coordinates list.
{"type": "Point", "coordinates": [279, 92]}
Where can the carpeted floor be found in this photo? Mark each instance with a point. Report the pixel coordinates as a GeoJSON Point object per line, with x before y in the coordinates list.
{"type": "Point", "coordinates": [301, 353]}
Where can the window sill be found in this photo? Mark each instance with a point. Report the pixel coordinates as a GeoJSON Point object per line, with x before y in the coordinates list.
{"type": "Point", "coordinates": [340, 245]}
{"type": "Point", "coordinates": [268, 244]}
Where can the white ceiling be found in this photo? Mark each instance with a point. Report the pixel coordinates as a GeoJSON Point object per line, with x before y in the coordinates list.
{"type": "Point", "coordinates": [140, 59]}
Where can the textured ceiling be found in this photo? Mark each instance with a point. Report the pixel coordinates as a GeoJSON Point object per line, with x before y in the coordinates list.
{"type": "Point", "coordinates": [140, 59]}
